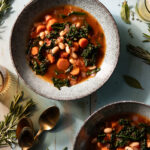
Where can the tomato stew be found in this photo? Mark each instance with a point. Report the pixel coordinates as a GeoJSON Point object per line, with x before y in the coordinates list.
{"type": "Point", "coordinates": [128, 132]}
{"type": "Point", "coordinates": [66, 46]}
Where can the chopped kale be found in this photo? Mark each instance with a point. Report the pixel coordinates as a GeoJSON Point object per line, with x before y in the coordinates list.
{"type": "Point", "coordinates": [77, 13]}
{"type": "Point", "coordinates": [63, 16]}
{"type": "Point", "coordinates": [58, 26]}
{"type": "Point", "coordinates": [101, 137]}
{"type": "Point", "coordinates": [53, 35]}
{"type": "Point", "coordinates": [60, 82]}
{"type": "Point", "coordinates": [93, 71]}
{"type": "Point", "coordinates": [124, 122]}
{"type": "Point", "coordinates": [90, 54]}
{"type": "Point", "coordinates": [77, 33]}
{"type": "Point", "coordinates": [42, 49]}
{"type": "Point", "coordinates": [72, 13]}
{"type": "Point", "coordinates": [40, 69]}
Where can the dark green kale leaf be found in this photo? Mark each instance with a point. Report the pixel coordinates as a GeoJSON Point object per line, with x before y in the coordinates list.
{"type": "Point", "coordinates": [77, 33]}
{"type": "Point", "coordinates": [53, 35]}
{"type": "Point", "coordinates": [58, 26]}
{"type": "Point", "coordinates": [40, 69]}
{"type": "Point", "coordinates": [124, 122]}
{"type": "Point", "coordinates": [90, 54]}
{"type": "Point", "coordinates": [77, 13]}
{"type": "Point", "coordinates": [93, 71]}
{"type": "Point", "coordinates": [60, 82]}
{"type": "Point", "coordinates": [101, 137]}
{"type": "Point", "coordinates": [42, 49]}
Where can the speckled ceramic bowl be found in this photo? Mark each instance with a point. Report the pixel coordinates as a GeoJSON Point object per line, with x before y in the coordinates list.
{"type": "Point", "coordinates": [90, 126]}
{"type": "Point", "coordinates": [18, 46]}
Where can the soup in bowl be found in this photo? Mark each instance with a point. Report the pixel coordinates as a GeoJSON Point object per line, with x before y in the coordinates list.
{"type": "Point", "coordinates": [65, 49]}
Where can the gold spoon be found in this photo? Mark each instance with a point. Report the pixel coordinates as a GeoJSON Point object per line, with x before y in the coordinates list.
{"type": "Point", "coordinates": [48, 120]}
{"type": "Point", "coordinates": [26, 138]}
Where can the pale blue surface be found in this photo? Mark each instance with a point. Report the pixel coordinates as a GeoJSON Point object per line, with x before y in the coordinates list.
{"type": "Point", "coordinates": [74, 113]}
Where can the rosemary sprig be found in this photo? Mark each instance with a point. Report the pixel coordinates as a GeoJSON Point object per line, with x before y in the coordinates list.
{"type": "Point", "coordinates": [16, 112]}
{"type": "Point", "coordinates": [5, 9]}
{"type": "Point", "coordinates": [139, 52]}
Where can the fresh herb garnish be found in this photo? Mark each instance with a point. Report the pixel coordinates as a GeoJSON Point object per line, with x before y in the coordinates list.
{"type": "Point", "coordinates": [16, 111]}
{"type": "Point", "coordinates": [125, 12]}
{"type": "Point", "coordinates": [93, 71]}
{"type": "Point", "coordinates": [139, 52]}
{"type": "Point", "coordinates": [132, 82]}
{"type": "Point", "coordinates": [60, 82]}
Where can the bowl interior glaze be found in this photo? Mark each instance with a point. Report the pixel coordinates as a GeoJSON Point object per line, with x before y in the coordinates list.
{"type": "Point", "coordinates": [19, 39]}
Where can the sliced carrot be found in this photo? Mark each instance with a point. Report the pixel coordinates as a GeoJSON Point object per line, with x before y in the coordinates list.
{"type": "Point", "coordinates": [34, 50]}
{"type": "Point", "coordinates": [76, 46]}
{"type": "Point", "coordinates": [33, 35]}
{"type": "Point", "coordinates": [63, 64]}
{"type": "Point", "coordinates": [120, 148]}
{"type": "Point", "coordinates": [51, 58]}
{"type": "Point", "coordinates": [75, 71]}
{"type": "Point", "coordinates": [40, 28]}
{"type": "Point", "coordinates": [83, 42]}
{"type": "Point", "coordinates": [64, 55]}
{"type": "Point", "coordinates": [114, 124]}
{"type": "Point", "coordinates": [50, 23]}
{"type": "Point", "coordinates": [105, 148]}
{"type": "Point", "coordinates": [48, 17]}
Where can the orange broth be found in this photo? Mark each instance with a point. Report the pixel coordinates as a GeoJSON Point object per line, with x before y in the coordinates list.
{"type": "Point", "coordinates": [98, 36]}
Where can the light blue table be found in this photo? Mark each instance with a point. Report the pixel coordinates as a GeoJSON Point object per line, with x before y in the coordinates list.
{"type": "Point", "coordinates": [75, 112]}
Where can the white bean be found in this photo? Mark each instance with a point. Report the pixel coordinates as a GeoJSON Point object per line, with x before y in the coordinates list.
{"type": "Point", "coordinates": [98, 144]}
{"type": "Point", "coordinates": [55, 50]}
{"type": "Point", "coordinates": [71, 61]}
{"type": "Point", "coordinates": [74, 55]}
{"type": "Point", "coordinates": [60, 39]}
{"type": "Point", "coordinates": [107, 130]}
{"type": "Point", "coordinates": [128, 148]}
{"type": "Point", "coordinates": [62, 33]}
{"type": "Point", "coordinates": [134, 144]}
{"type": "Point", "coordinates": [78, 24]}
{"type": "Point", "coordinates": [46, 32]}
{"type": "Point", "coordinates": [41, 43]}
{"type": "Point", "coordinates": [94, 140]}
{"type": "Point", "coordinates": [42, 35]}
{"type": "Point", "coordinates": [61, 46]}
{"type": "Point", "coordinates": [148, 144]}
{"type": "Point", "coordinates": [67, 49]}
{"type": "Point", "coordinates": [91, 67]}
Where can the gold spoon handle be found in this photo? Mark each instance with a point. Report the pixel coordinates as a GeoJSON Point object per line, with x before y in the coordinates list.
{"type": "Point", "coordinates": [38, 133]}
{"type": "Point", "coordinates": [25, 148]}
